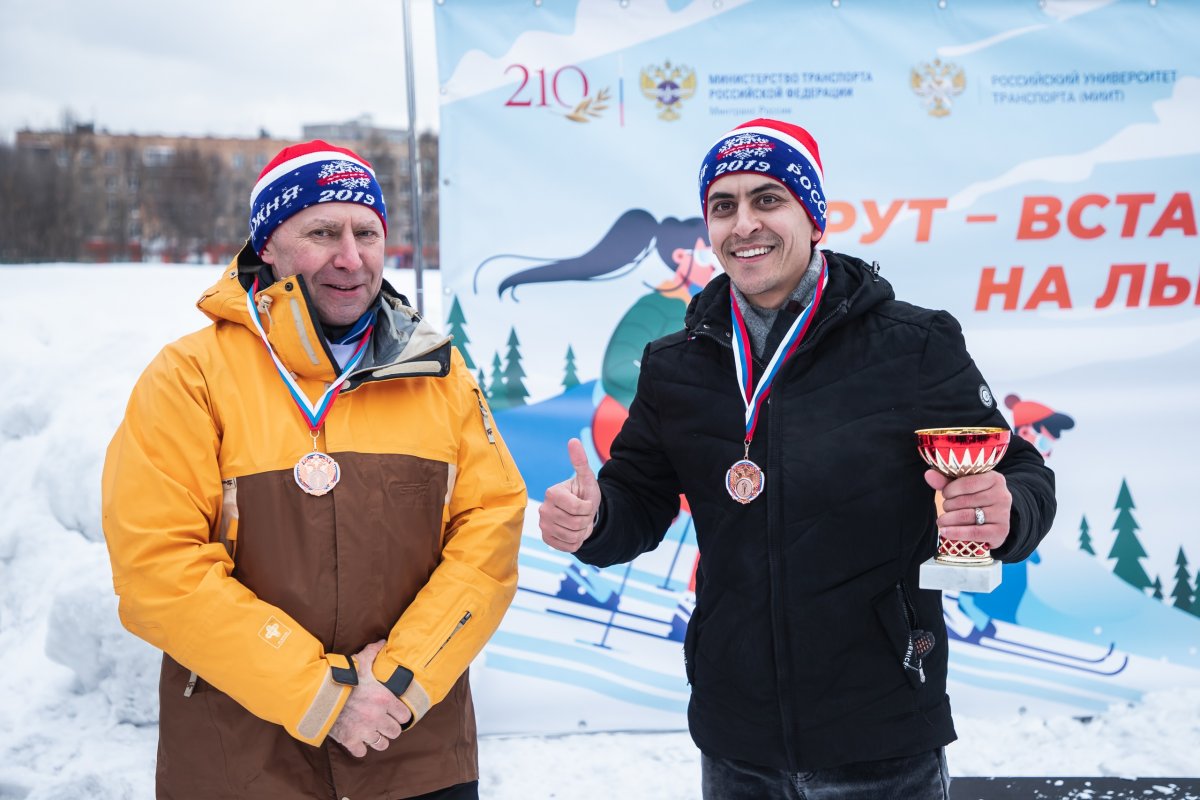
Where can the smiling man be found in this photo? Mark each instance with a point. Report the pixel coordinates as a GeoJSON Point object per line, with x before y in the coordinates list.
{"type": "Point", "coordinates": [309, 510]}
{"type": "Point", "coordinates": [784, 412]}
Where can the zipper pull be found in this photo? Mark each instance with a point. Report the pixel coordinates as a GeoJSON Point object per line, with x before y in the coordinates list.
{"type": "Point", "coordinates": [920, 643]}
{"type": "Point", "coordinates": [487, 425]}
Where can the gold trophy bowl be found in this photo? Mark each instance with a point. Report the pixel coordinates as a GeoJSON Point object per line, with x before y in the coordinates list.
{"type": "Point", "coordinates": [955, 452]}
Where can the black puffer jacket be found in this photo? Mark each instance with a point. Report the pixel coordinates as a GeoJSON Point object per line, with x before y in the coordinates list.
{"type": "Point", "coordinates": [805, 596]}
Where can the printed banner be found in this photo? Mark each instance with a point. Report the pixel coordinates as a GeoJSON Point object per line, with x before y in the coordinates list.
{"type": "Point", "coordinates": [1029, 167]}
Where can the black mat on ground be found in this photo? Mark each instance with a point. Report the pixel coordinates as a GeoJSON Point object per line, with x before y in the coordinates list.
{"type": "Point", "coordinates": [1075, 789]}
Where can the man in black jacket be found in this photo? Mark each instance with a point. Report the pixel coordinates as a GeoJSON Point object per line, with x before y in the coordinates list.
{"type": "Point", "coordinates": [784, 412]}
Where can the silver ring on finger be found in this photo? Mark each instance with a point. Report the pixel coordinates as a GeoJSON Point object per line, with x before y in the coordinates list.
{"type": "Point", "coordinates": [979, 518]}
{"type": "Point", "coordinates": [378, 739]}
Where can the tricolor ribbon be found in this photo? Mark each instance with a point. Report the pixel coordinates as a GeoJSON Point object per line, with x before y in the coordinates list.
{"type": "Point", "coordinates": [755, 396]}
{"type": "Point", "coordinates": [358, 330]}
{"type": "Point", "coordinates": [314, 413]}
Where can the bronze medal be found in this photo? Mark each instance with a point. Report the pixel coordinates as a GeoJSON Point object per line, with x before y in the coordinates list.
{"type": "Point", "coordinates": [317, 473]}
{"type": "Point", "coordinates": [744, 481]}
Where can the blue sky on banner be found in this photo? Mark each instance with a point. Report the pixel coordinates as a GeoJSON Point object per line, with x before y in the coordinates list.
{"type": "Point", "coordinates": [984, 158]}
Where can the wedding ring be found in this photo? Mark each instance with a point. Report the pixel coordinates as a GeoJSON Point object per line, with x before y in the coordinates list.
{"type": "Point", "coordinates": [979, 518]}
{"type": "Point", "coordinates": [378, 739]}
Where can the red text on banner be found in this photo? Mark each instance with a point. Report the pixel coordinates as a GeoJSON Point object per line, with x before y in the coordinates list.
{"type": "Point", "coordinates": [1051, 289]}
{"type": "Point", "coordinates": [1042, 215]}
{"type": "Point", "coordinates": [842, 216]}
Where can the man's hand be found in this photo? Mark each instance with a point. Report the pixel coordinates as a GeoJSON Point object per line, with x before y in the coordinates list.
{"type": "Point", "coordinates": [373, 715]}
{"type": "Point", "coordinates": [569, 510]}
{"type": "Point", "coordinates": [965, 499]}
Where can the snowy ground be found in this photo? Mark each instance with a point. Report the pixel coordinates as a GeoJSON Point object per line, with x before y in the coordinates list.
{"type": "Point", "coordinates": [77, 704]}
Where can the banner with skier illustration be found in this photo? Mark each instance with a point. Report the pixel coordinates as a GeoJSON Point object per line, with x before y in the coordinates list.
{"type": "Point", "coordinates": [1029, 167]}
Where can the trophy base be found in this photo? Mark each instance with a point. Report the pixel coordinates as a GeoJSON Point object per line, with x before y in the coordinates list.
{"type": "Point", "coordinates": [960, 577]}
{"type": "Point", "coordinates": [964, 561]}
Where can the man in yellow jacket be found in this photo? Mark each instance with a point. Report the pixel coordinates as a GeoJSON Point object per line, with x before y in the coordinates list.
{"type": "Point", "coordinates": [309, 510]}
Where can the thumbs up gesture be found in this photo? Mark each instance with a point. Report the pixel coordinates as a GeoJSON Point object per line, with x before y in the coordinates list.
{"type": "Point", "coordinates": [570, 507]}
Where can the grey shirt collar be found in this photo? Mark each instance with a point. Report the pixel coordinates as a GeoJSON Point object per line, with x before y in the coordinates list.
{"type": "Point", "coordinates": [762, 323]}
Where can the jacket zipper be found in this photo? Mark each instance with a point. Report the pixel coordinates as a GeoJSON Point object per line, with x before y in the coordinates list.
{"type": "Point", "coordinates": [490, 431]}
{"type": "Point", "coordinates": [778, 610]}
{"type": "Point", "coordinates": [487, 425]}
{"type": "Point", "coordinates": [466, 617]}
{"type": "Point", "coordinates": [912, 653]}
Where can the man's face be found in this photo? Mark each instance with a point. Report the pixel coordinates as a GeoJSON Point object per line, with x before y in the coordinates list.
{"type": "Point", "coordinates": [761, 234]}
{"type": "Point", "coordinates": [338, 248]}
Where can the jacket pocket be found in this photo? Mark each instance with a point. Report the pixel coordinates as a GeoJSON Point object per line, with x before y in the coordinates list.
{"type": "Point", "coordinates": [443, 641]}
{"type": "Point", "coordinates": [898, 616]}
{"type": "Point", "coordinates": [691, 638]}
{"type": "Point", "coordinates": [227, 531]}
{"type": "Point", "coordinates": [489, 430]}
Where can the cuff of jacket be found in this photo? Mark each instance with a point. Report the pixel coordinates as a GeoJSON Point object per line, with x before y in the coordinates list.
{"type": "Point", "coordinates": [591, 551]}
{"type": "Point", "coordinates": [327, 701]}
{"type": "Point", "coordinates": [1020, 535]}
{"type": "Point", "coordinates": [401, 681]}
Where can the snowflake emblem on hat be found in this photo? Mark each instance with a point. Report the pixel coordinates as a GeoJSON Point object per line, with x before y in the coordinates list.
{"type": "Point", "coordinates": [344, 173]}
{"type": "Point", "coordinates": [745, 144]}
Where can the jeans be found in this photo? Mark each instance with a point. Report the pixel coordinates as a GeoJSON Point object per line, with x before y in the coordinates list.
{"type": "Point", "coordinates": [460, 791]}
{"type": "Point", "coordinates": [919, 777]}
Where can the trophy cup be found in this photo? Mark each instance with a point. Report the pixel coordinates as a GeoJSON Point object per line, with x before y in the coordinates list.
{"type": "Point", "coordinates": [961, 565]}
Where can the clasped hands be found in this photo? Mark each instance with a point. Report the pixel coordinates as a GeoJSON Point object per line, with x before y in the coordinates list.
{"type": "Point", "coordinates": [372, 716]}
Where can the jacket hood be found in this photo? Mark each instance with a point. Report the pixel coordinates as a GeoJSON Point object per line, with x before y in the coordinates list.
{"type": "Point", "coordinates": [854, 288]}
{"type": "Point", "coordinates": [402, 344]}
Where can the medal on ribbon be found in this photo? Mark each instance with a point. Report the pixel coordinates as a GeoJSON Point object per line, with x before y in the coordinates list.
{"type": "Point", "coordinates": [745, 480]}
{"type": "Point", "coordinates": [316, 473]}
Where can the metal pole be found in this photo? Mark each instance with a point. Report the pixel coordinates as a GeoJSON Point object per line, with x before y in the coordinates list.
{"type": "Point", "coordinates": [414, 173]}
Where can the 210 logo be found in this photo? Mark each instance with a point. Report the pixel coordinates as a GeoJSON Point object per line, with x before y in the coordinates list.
{"type": "Point", "coordinates": [541, 89]}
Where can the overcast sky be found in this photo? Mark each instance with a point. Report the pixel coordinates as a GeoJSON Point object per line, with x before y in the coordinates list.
{"type": "Point", "coordinates": [220, 67]}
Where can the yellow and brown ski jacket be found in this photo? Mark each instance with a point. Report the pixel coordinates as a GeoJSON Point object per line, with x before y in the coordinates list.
{"type": "Point", "coordinates": [258, 592]}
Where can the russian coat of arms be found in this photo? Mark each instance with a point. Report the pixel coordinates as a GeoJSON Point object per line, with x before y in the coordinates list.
{"type": "Point", "coordinates": [937, 84]}
{"type": "Point", "coordinates": [668, 86]}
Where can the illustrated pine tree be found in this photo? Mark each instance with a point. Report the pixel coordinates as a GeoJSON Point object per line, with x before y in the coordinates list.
{"type": "Point", "coordinates": [1085, 541]}
{"type": "Point", "coordinates": [1184, 596]}
{"type": "Point", "coordinates": [496, 394]}
{"type": "Point", "coordinates": [1158, 595]}
{"type": "Point", "coordinates": [1196, 594]}
{"type": "Point", "coordinates": [457, 323]}
{"type": "Point", "coordinates": [570, 379]}
{"type": "Point", "coordinates": [515, 392]}
{"type": "Point", "coordinates": [1126, 548]}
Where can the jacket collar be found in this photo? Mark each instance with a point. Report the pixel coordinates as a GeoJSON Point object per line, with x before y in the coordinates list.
{"type": "Point", "coordinates": [402, 344]}
{"type": "Point", "coordinates": [854, 287]}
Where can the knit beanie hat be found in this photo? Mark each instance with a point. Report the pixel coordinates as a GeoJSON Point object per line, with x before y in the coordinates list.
{"type": "Point", "coordinates": [1029, 412]}
{"type": "Point", "coordinates": [779, 150]}
{"type": "Point", "coordinates": [306, 174]}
